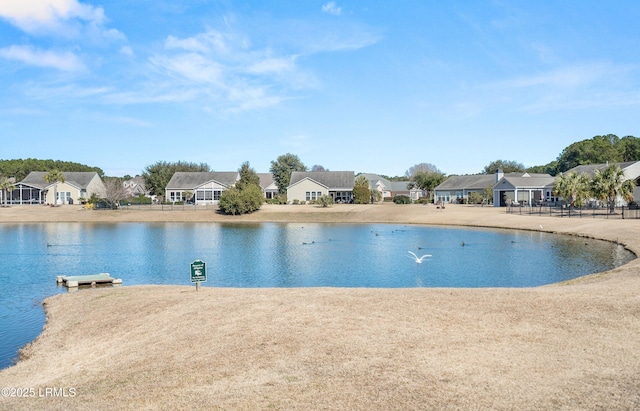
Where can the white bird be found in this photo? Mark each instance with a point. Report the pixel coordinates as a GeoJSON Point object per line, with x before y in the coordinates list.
{"type": "Point", "coordinates": [419, 259]}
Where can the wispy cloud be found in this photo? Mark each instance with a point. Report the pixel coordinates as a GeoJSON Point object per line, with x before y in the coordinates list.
{"type": "Point", "coordinates": [332, 8]}
{"type": "Point", "coordinates": [64, 61]}
{"type": "Point", "coordinates": [563, 88]}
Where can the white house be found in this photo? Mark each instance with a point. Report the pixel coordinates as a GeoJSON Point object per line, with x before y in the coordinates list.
{"type": "Point", "coordinates": [390, 189]}
{"type": "Point", "coordinates": [522, 188]}
{"type": "Point", "coordinates": [202, 187]}
{"type": "Point", "coordinates": [77, 186]}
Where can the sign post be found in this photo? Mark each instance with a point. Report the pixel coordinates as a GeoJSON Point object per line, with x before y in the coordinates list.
{"type": "Point", "coordinates": [198, 272]}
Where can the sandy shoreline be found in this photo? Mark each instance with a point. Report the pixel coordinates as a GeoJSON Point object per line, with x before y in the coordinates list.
{"type": "Point", "coordinates": [567, 346]}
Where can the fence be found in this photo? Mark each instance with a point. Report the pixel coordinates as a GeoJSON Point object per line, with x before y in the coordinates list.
{"type": "Point", "coordinates": [167, 207]}
{"type": "Point", "coordinates": [625, 212]}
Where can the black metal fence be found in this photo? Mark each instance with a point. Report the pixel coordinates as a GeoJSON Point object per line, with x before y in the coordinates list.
{"type": "Point", "coordinates": [625, 212]}
{"type": "Point", "coordinates": [167, 206]}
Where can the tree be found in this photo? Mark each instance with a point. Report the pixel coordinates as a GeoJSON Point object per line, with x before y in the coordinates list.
{"type": "Point", "coordinates": [504, 165]}
{"type": "Point", "coordinates": [246, 197]}
{"type": "Point", "coordinates": [629, 148]}
{"type": "Point", "coordinates": [610, 183]}
{"type": "Point", "coordinates": [572, 187]}
{"type": "Point", "coordinates": [487, 195]}
{"type": "Point", "coordinates": [54, 176]}
{"type": "Point", "coordinates": [20, 168]}
{"type": "Point", "coordinates": [421, 168]}
{"type": "Point", "coordinates": [247, 176]}
{"type": "Point", "coordinates": [318, 167]}
{"type": "Point", "coordinates": [376, 195]}
{"type": "Point", "coordinates": [597, 150]}
{"type": "Point", "coordinates": [361, 192]}
{"type": "Point", "coordinates": [282, 168]}
{"type": "Point", "coordinates": [427, 181]}
{"type": "Point", "coordinates": [157, 176]}
{"type": "Point", "coordinates": [114, 191]}
{"type": "Point", "coordinates": [550, 168]}
{"type": "Point", "coordinates": [5, 186]}
{"type": "Point", "coordinates": [234, 201]}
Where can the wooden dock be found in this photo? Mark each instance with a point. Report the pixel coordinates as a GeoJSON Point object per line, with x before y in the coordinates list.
{"type": "Point", "coordinates": [91, 279]}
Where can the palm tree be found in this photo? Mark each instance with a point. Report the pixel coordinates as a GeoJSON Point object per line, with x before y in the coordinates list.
{"type": "Point", "coordinates": [610, 183]}
{"type": "Point", "coordinates": [54, 176]}
{"type": "Point", "coordinates": [5, 186]}
{"type": "Point", "coordinates": [573, 188]}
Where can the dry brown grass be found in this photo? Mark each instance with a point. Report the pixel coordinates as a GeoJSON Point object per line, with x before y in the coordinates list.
{"type": "Point", "coordinates": [567, 346]}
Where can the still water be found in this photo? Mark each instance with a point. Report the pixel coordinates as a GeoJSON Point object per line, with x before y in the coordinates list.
{"type": "Point", "coordinates": [277, 255]}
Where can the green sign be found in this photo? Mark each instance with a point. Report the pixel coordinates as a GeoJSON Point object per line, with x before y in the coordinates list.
{"type": "Point", "coordinates": [198, 271]}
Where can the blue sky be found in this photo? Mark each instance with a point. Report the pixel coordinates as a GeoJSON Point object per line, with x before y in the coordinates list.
{"type": "Point", "coordinates": [368, 86]}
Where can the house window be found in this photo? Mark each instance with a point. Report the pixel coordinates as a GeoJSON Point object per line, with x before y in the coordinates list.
{"type": "Point", "coordinates": [216, 195]}
{"type": "Point", "coordinates": [308, 196]}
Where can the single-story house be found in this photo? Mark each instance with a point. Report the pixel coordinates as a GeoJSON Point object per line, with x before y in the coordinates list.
{"type": "Point", "coordinates": [202, 187]}
{"type": "Point", "coordinates": [507, 188]}
{"type": "Point", "coordinates": [522, 188]}
{"type": "Point", "coordinates": [631, 171]}
{"type": "Point", "coordinates": [458, 187]}
{"type": "Point", "coordinates": [77, 186]}
{"type": "Point", "coordinates": [311, 185]}
{"type": "Point", "coordinates": [390, 189]}
{"type": "Point", "coordinates": [268, 185]}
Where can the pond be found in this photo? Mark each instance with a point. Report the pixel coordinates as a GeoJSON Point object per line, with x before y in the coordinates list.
{"type": "Point", "coordinates": [277, 255]}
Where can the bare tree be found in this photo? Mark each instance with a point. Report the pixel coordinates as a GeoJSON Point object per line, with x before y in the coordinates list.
{"type": "Point", "coordinates": [422, 167]}
{"type": "Point", "coordinates": [114, 191]}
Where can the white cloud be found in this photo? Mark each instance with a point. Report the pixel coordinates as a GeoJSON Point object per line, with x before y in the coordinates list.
{"type": "Point", "coordinates": [272, 65]}
{"type": "Point", "coordinates": [39, 15]}
{"type": "Point", "coordinates": [191, 66]}
{"type": "Point", "coordinates": [206, 42]}
{"type": "Point", "coordinates": [64, 61]}
{"type": "Point", "coordinates": [332, 8]}
{"type": "Point", "coordinates": [127, 51]}
{"type": "Point", "coordinates": [63, 18]}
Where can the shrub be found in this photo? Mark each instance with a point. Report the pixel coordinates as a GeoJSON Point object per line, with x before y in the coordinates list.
{"type": "Point", "coordinates": [325, 200]}
{"type": "Point", "coordinates": [402, 199]}
{"type": "Point", "coordinates": [247, 200]}
{"type": "Point", "coordinates": [475, 198]}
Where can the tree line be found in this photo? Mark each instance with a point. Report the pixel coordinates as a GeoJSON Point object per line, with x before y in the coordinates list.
{"type": "Point", "coordinates": [20, 168]}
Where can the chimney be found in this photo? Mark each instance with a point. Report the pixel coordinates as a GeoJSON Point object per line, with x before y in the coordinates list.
{"type": "Point", "coordinates": [499, 174]}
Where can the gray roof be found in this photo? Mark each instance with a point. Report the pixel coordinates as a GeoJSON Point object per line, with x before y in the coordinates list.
{"type": "Point", "coordinates": [528, 180]}
{"type": "Point", "coordinates": [590, 169]}
{"type": "Point", "coordinates": [80, 179]}
{"type": "Point", "coordinates": [266, 179]}
{"type": "Point", "coordinates": [482, 181]}
{"type": "Point", "coordinates": [374, 178]}
{"type": "Point", "coordinates": [468, 182]}
{"type": "Point", "coordinates": [331, 179]}
{"type": "Point", "coordinates": [188, 180]}
{"type": "Point", "coordinates": [388, 184]}
{"type": "Point", "coordinates": [399, 185]}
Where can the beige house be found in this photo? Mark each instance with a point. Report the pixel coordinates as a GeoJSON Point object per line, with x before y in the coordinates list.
{"type": "Point", "coordinates": [76, 188]}
{"type": "Point", "coordinates": [311, 185]}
